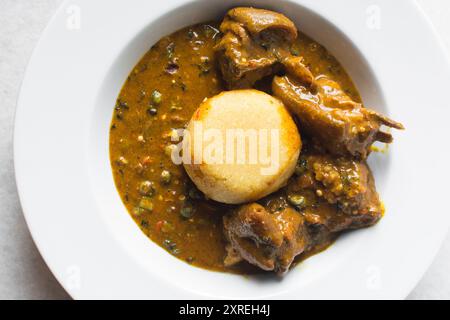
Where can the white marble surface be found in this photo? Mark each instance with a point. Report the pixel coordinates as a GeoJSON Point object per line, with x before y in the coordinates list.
{"type": "Point", "coordinates": [23, 273]}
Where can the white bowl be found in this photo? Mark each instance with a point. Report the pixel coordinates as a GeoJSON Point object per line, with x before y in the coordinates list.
{"type": "Point", "coordinates": [83, 230]}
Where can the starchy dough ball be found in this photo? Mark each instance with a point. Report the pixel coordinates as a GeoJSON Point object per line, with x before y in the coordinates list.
{"type": "Point", "coordinates": [243, 146]}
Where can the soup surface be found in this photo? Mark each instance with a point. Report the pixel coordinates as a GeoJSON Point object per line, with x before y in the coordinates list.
{"type": "Point", "coordinates": [159, 96]}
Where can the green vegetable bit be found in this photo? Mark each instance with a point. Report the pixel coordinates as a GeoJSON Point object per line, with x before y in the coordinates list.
{"type": "Point", "coordinates": [166, 176]}
{"type": "Point", "coordinates": [147, 188]}
{"type": "Point", "coordinates": [297, 200]}
{"type": "Point", "coordinates": [146, 204]}
{"type": "Point", "coordinates": [156, 97]}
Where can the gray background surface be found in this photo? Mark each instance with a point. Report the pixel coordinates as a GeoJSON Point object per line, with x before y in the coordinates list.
{"type": "Point", "coordinates": [23, 273]}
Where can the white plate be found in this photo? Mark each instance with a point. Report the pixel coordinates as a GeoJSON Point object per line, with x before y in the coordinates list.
{"type": "Point", "coordinates": [84, 232]}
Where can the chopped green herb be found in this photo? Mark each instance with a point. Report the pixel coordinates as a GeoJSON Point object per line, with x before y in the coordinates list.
{"type": "Point", "coordinates": [297, 200]}
{"type": "Point", "coordinates": [156, 97]}
{"type": "Point", "coordinates": [147, 188]}
{"type": "Point", "coordinates": [166, 177]}
{"type": "Point", "coordinates": [146, 204]}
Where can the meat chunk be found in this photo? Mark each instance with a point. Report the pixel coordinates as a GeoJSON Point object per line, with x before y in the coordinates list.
{"type": "Point", "coordinates": [254, 44]}
{"type": "Point", "coordinates": [257, 21]}
{"type": "Point", "coordinates": [295, 68]}
{"type": "Point", "coordinates": [340, 192]}
{"type": "Point", "coordinates": [343, 126]}
{"type": "Point", "coordinates": [269, 241]}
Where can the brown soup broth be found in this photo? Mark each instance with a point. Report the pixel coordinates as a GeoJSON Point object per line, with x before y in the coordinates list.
{"type": "Point", "coordinates": [160, 95]}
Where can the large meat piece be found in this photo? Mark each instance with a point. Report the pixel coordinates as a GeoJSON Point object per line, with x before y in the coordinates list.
{"type": "Point", "coordinates": [343, 126]}
{"type": "Point", "coordinates": [327, 196]}
{"type": "Point", "coordinates": [254, 45]}
{"type": "Point", "coordinates": [340, 192]}
{"type": "Point", "coordinates": [269, 241]}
